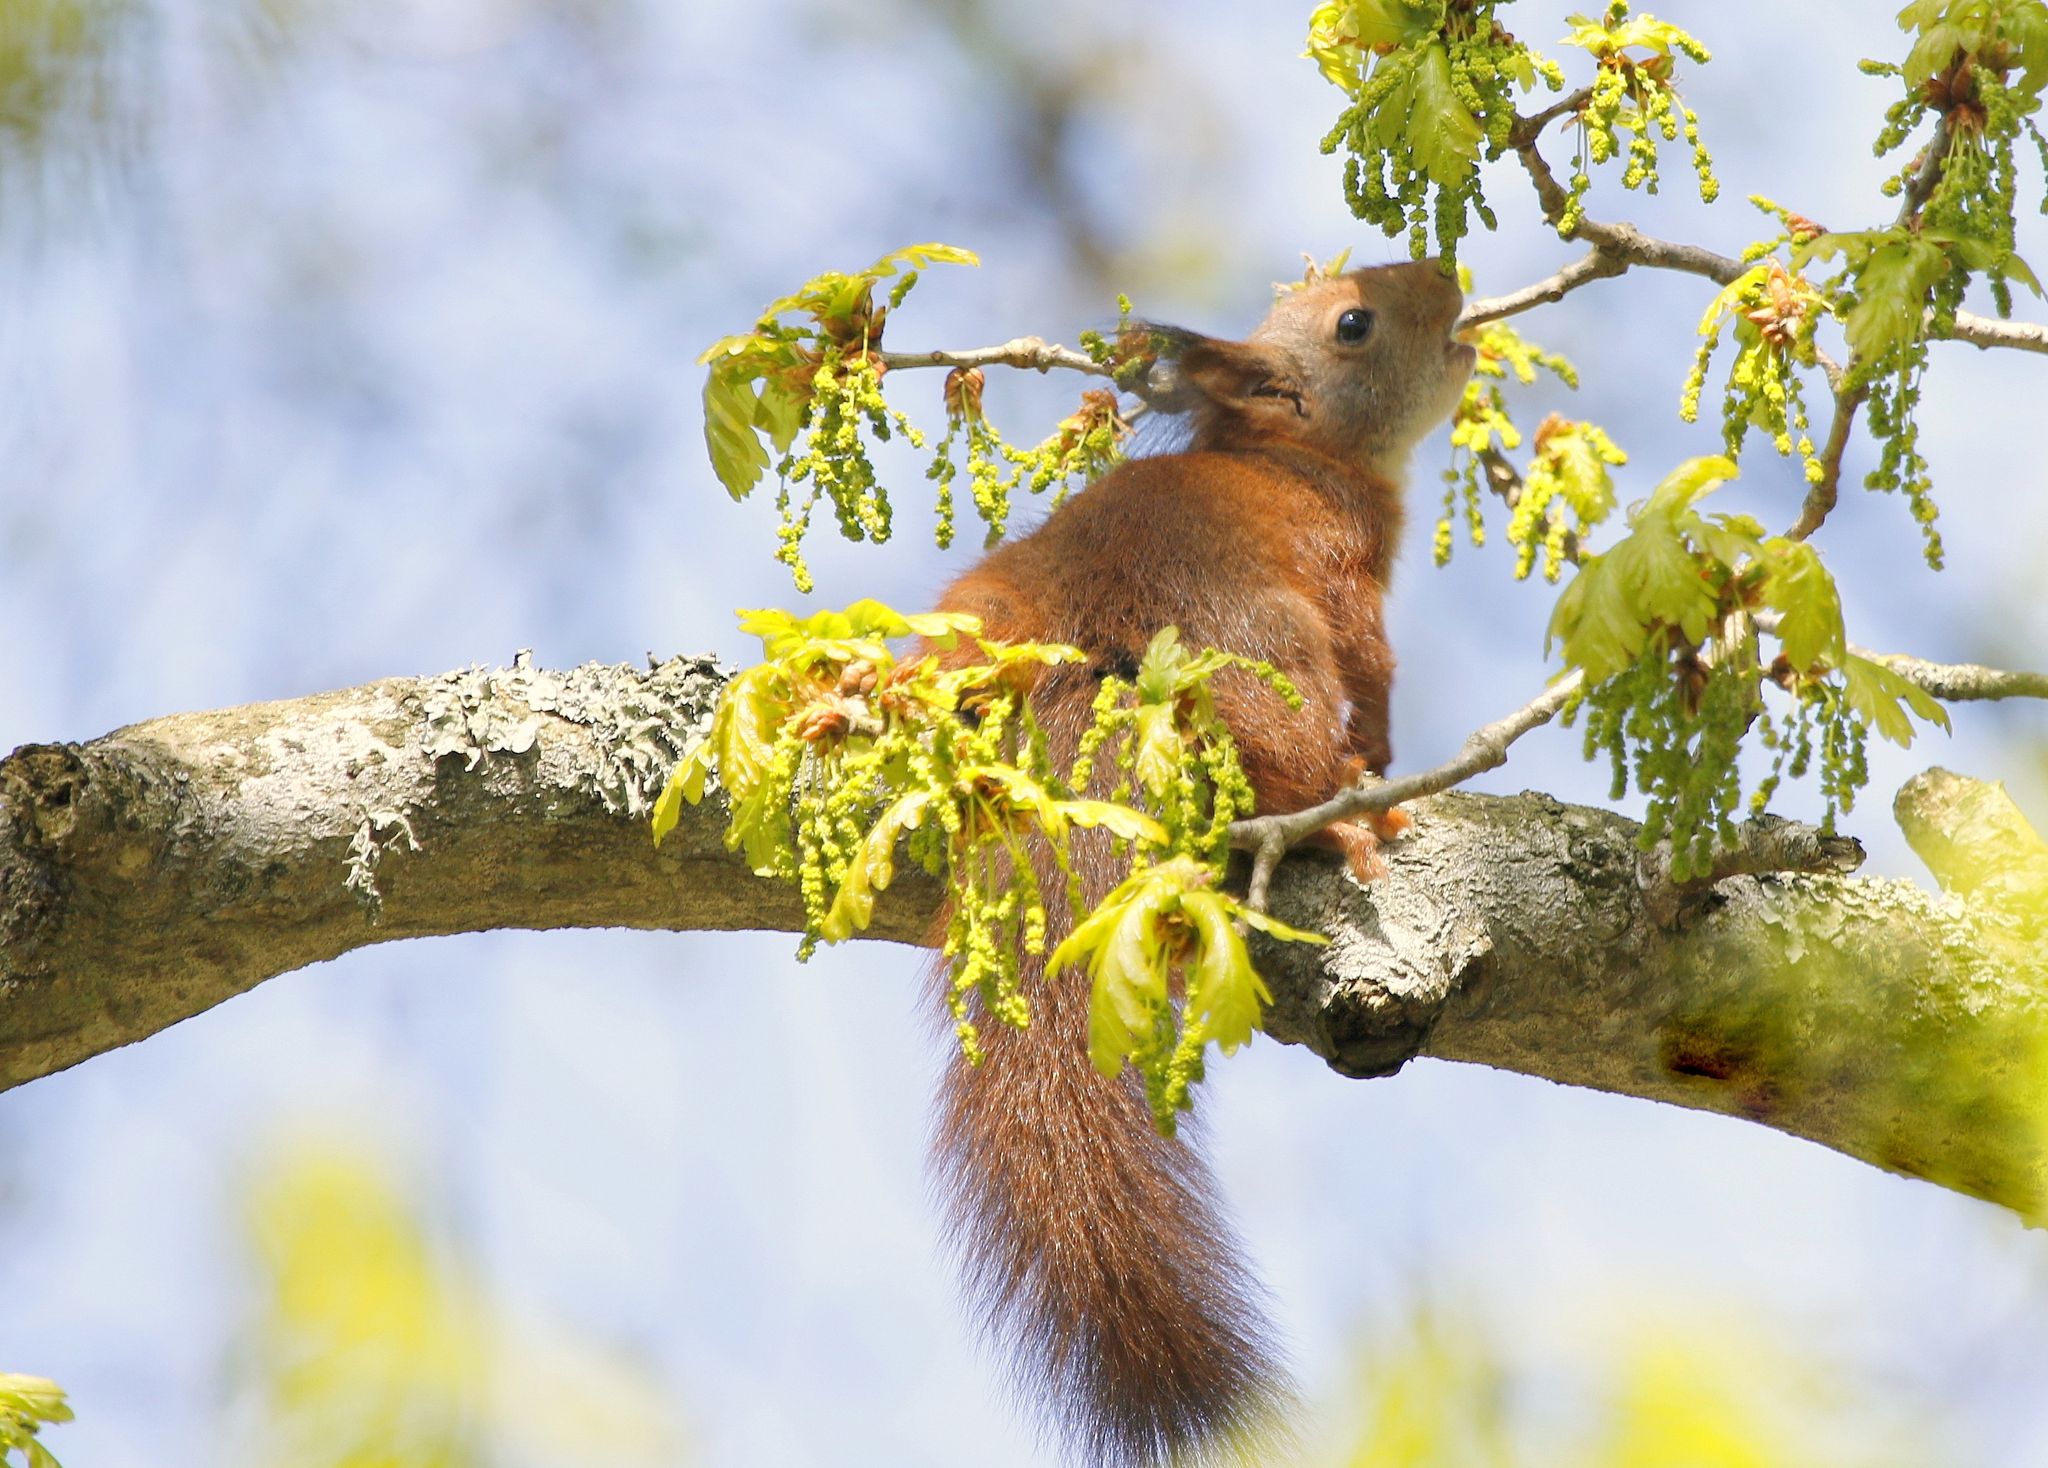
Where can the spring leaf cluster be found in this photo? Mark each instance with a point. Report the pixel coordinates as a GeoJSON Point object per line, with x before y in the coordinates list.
{"type": "Point", "coordinates": [1566, 489]}
{"type": "Point", "coordinates": [1976, 69]}
{"type": "Point", "coordinates": [27, 1405]}
{"type": "Point", "coordinates": [1166, 922]}
{"type": "Point", "coordinates": [802, 394]}
{"type": "Point", "coordinates": [1773, 312]}
{"type": "Point", "coordinates": [762, 383]}
{"type": "Point", "coordinates": [1632, 92]}
{"type": "Point", "coordinates": [834, 754]}
{"type": "Point", "coordinates": [1431, 86]}
{"type": "Point", "coordinates": [1565, 492]}
{"type": "Point", "coordinates": [1085, 444]}
{"type": "Point", "coordinates": [1666, 626]}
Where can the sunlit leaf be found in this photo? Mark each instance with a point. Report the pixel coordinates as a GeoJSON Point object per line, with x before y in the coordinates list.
{"type": "Point", "coordinates": [1225, 997]}
{"type": "Point", "coordinates": [874, 868]}
{"type": "Point", "coordinates": [1800, 589]}
{"type": "Point", "coordinates": [1120, 821]}
{"type": "Point", "coordinates": [1442, 131]}
{"type": "Point", "coordinates": [1876, 693]}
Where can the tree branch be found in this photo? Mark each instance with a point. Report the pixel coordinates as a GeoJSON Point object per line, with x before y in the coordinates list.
{"type": "Point", "coordinates": [1623, 246]}
{"type": "Point", "coordinates": [1031, 352]}
{"type": "Point", "coordinates": [1595, 264]}
{"type": "Point", "coordinates": [1865, 1014]}
{"type": "Point", "coordinates": [1989, 331]}
{"type": "Point", "coordinates": [153, 873]}
{"type": "Point", "coordinates": [150, 874]}
{"type": "Point", "coordinates": [1950, 682]}
{"type": "Point", "coordinates": [1269, 838]}
{"type": "Point", "coordinates": [1960, 682]}
{"type": "Point", "coordinates": [1822, 494]}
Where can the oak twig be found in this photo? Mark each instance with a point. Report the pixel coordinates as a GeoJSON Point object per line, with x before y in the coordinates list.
{"type": "Point", "coordinates": [1949, 682]}
{"type": "Point", "coordinates": [1031, 352]}
{"type": "Point", "coordinates": [1268, 838]}
{"type": "Point", "coordinates": [1595, 264]}
{"type": "Point", "coordinates": [1822, 495]}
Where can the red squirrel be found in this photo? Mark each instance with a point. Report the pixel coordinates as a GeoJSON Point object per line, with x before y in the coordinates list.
{"type": "Point", "coordinates": [1091, 1246]}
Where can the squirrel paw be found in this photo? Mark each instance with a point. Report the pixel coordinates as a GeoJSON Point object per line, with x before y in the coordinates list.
{"type": "Point", "coordinates": [1390, 825]}
{"type": "Point", "coordinates": [1360, 845]}
{"type": "Point", "coordinates": [1387, 825]}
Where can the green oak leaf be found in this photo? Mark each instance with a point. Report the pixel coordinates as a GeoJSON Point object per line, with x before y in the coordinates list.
{"type": "Point", "coordinates": [1875, 693]}
{"type": "Point", "coordinates": [1798, 587]}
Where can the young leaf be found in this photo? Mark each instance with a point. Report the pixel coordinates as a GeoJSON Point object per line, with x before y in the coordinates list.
{"type": "Point", "coordinates": [685, 783]}
{"type": "Point", "coordinates": [1225, 997]}
{"type": "Point", "coordinates": [1800, 589]}
{"type": "Point", "coordinates": [1444, 134]}
{"type": "Point", "coordinates": [1875, 692]}
{"type": "Point", "coordinates": [1120, 821]}
{"type": "Point", "coordinates": [874, 868]}
{"type": "Point", "coordinates": [1127, 968]}
{"type": "Point", "coordinates": [731, 410]}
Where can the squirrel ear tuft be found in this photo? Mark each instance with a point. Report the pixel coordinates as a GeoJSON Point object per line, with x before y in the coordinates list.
{"type": "Point", "coordinates": [1208, 375]}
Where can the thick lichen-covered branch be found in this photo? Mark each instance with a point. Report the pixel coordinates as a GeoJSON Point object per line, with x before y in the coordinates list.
{"type": "Point", "coordinates": [1902, 1028]}
{"type": "Point", "coordinates": [150, 874]}
{"type": "Point", "coordinates": [153, 873]}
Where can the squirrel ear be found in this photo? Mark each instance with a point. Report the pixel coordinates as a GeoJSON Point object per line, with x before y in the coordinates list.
{"type": "Point", "coordinates": [1243, 379]}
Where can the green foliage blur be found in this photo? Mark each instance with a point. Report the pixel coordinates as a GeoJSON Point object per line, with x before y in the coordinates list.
{"type": "Point", "coordinates": [52, 59]}
{"type": "Point", "coordinates": [370, 1345]}
{"type": "Point", "coordinates": [28, 1404]}
{"type": "Point", "coordinates": [1709, 1394]}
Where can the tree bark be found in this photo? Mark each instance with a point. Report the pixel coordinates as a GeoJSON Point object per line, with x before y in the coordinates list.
{"type": "Point", "coordinates": [152, 873]}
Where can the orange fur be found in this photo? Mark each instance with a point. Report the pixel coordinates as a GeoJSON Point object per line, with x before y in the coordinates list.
{"type": "Point", "coordinates": [1093, 1247]}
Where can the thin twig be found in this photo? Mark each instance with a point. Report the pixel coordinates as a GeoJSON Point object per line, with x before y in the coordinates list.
{"type": "Point", "coordinates": [1629, 246]}
{"type": "Point", "coordinates": [1950, 682]}
{"type": "Point", "coordinates": [1764, 846]}
{"type": "Point", "coordinates": [1821, 497]}
{"type": "Point", "coordinates": [1618, 246]}
{"type": "Point", "coordinates": [1623, 241]}
{"type": "Point", "coordinates": [1526, 129]}
{"type": "Point", "coordinates": [1595, 264]}
{"type": "Point", "coordinates": [1269, 837]}
{"type": "Point", "coordinates": [1926, 175]}
{"type": "Point", "coordinates": [1024, 351]}
{"type": "Point", "coordinates": [1850, 388]}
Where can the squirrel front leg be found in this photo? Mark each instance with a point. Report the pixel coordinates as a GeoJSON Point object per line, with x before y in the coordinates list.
{"type": "Point", "coordinates": [1366, 664]}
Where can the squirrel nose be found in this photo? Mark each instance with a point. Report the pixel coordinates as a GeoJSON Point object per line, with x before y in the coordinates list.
{"type": "Point", "coordinates": [1432, 283]}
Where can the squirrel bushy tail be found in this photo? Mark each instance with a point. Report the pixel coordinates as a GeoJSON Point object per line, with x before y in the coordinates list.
{"type": "Point", "coordinates": [1093, 1250]}
{"type": "Point", "coordinates": [1092, 1246]}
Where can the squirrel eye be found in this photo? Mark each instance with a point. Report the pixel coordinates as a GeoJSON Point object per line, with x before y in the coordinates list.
{"type": "Point", "coordinates": [1354, 326]}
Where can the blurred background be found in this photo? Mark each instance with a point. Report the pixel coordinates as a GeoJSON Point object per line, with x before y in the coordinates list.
{"type": "Point", "coordinates": [343, 341]}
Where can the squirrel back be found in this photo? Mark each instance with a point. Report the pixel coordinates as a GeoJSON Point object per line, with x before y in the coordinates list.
{"type": "Point", "coordinates": [1093, 1249]}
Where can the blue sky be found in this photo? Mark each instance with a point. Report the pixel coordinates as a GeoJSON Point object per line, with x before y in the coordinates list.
{"type": "Point", "coordinates": [370, 352]}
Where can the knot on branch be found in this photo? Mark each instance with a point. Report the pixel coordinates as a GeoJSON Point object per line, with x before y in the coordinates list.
{"type": "Point", "coordinates": [42, 787]}
{"type": "Point", "coordinates": [1398, 951]}
{"type": "Point", "coordinates": [1764, 845]}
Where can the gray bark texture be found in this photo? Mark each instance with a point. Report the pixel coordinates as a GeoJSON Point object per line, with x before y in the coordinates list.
{"type": "Point", "coordinates": [152, 873]}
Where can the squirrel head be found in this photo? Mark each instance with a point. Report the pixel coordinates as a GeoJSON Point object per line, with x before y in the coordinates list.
{"type": "Point", "coordinates": [1360, 367]}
